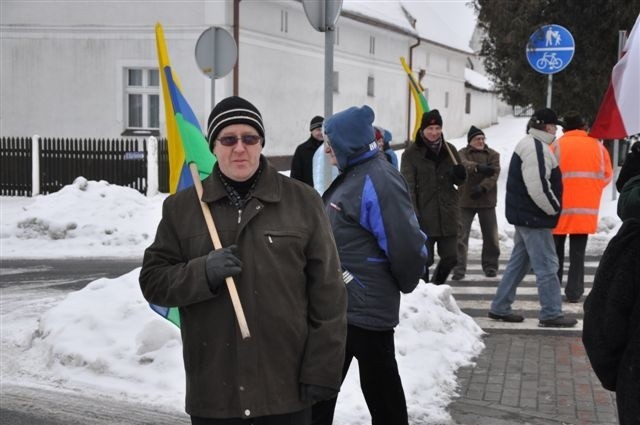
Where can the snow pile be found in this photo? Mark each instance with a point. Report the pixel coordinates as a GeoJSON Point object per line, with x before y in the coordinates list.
{"type": "Point", "coordinates": [86, 218]}
{"type": "Point", "coordinates": [122, 348]}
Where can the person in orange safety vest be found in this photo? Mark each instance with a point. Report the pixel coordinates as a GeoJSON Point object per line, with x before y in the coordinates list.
{"type": "Point", "coordinates": [586, 170]}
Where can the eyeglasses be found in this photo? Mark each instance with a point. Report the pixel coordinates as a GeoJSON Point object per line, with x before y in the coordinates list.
{"type": "Point", "coordinates": [247, 139]}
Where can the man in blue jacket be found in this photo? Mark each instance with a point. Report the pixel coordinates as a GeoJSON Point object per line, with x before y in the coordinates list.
{"type": "Point", "coordinates": [382, 254]}
{"type": "Point", "coordinates": [533, 205]}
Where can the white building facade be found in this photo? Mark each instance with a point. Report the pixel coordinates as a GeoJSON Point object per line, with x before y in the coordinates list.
{"type": "Point", "coordinates": [90, 69]}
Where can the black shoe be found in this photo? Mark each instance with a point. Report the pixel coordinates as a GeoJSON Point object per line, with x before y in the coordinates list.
{"type": "Point", "coordinates": [490, 273]}
{"type": "Point", "coordinates": [557, 322]}
{"type": "Point", "coordinates": [457, 276]}
{"type": "Point", "coordinates": [512, 318]}
{"type": "Point", "coordinates": [572, 301]}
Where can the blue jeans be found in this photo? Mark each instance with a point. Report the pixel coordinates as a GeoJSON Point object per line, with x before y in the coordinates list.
{"type": "Point", "coordinates": [531, 247]}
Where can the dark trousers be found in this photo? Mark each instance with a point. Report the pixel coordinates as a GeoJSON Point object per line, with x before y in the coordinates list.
{"type": "Point", "coordinates": [379, 378]}
{"type": "Point", "coordinates": [577, 247]}
{"type": "Point", "coordinates": [447, 251]}
{"type": "Point", "coordinates": [302, 417]}
{"type": "Point", "coordinates": [490, 240]}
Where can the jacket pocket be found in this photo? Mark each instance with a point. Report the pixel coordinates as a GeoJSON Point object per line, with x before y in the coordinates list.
{"type": "Point", "coordinates": [283, 239]}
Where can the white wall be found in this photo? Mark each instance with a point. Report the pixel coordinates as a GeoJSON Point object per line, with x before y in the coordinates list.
{"type": "Point", "coordinates": [483, 111]}
{"type": "Point", "coordinates": [444, 74]}
{"type": "Point", "coordinates": [61, 73]}
{"type": "Point", "coordinates": [283, 72]}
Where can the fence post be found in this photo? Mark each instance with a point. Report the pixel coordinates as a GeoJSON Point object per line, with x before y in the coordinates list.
{"type": "Point", "coordinates": [152, 166]}
{"type": "Point", "coordinates": [35, 165]}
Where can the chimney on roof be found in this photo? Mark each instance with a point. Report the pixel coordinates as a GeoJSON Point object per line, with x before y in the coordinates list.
{"type": "Point", "coordinates": [409, 16]}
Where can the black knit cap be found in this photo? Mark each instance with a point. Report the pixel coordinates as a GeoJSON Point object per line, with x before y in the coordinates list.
{"type": "Point", "coordinates": [316, 122]}
{"type": "Point", "coordinates": [233, 110]}
{"type": "Point", "coordinates": [431, 118]}
{"type": "Point", "coordinates": [473, 132]}
{"type": "Point", "coordinates": [573, 121]}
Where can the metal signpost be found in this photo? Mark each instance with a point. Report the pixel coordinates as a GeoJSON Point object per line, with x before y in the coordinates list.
{"type": "Point", "coordinates": [549, 50]}
{"type": "Point", "coordinates": [323, 15]}
{"type": "Point", "coordinates": [216, 55]}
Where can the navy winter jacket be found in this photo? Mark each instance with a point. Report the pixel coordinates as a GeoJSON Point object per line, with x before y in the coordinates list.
{"type": "Point", "coordinates": [378, 238]}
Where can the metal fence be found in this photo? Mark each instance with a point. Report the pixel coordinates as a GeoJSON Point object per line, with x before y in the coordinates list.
{"type": "Point", "coordinates": [118, 161]}
{"type": "Point", "coordinates": [15, 166]}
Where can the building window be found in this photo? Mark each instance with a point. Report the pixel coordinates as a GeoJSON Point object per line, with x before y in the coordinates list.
{"type": "Point", "coordinates": [446, 99]}
{"type": "Point", "coordinates": [336, 82]}
{"type": "Point", "coordinates": [372, 45]}
{"type": "Point", "coordinates": [370, 86]}
{"type": "Point", "coordinates": [142, 99]}
{"type": "Point", "coordinates": [467, 104]}
{"type": "Point", "coordinates": [284, 21]}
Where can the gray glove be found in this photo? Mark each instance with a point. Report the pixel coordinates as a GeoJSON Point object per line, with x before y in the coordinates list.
{"type": "Point", "coordinates": [220, 264]}
{"type": "Point", "coordinates": [315, 393]}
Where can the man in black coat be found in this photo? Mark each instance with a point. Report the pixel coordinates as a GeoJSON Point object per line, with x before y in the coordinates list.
{"type": "Point", "coordinates": [302, 161]}
{"type": "Point", "coordinates": [611, 333]}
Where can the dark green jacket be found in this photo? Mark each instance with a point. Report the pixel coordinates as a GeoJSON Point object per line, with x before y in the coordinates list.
{"type": "Point", "coordinates": [629, 202]}
{"type": "Point", "coordinates": [290, 287]}
{"type": "Point", "coordinates": [611, 330]}
{"type": "Point", "coordinates": [432, 187]}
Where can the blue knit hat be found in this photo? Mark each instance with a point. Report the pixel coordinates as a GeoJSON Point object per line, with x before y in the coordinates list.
{"type": "Point", "coordinates": [387, 136]}
{"type": "Point", "coordinates": [351, 133]}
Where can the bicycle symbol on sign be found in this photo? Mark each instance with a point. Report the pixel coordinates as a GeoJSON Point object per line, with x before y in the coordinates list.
{"type": "Point", "coordinates": [549, 60]}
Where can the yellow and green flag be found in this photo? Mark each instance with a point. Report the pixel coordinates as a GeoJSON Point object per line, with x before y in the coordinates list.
{"type": "Point", "coordinates": [417, 92]}
{"type": "Point", "coordinates": [186, 142]}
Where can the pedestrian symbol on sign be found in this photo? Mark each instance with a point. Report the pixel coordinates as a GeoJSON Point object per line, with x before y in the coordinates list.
{"type": "Point", "coordinates": [551, 35]}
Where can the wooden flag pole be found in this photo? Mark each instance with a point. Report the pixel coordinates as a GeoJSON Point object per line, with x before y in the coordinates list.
{"type": "Point", "coordinates": [453, 158]}
{"type": "Point", "coordinates": [208, 218]}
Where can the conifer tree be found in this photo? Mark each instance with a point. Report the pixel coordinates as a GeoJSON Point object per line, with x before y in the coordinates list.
{"type": "Point", "coordinates": [594, 24]}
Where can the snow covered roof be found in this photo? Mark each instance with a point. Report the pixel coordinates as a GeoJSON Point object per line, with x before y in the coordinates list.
{"type": "Point", "coordinates": [447, 22]}
{"type": "Point", "coordinates": [477, 80]}
{"type": "Point", "coordinates": [389, 12]}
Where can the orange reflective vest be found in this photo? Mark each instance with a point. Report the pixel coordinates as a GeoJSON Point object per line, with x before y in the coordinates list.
{"type": "Point", "coordinates": [586, 170]}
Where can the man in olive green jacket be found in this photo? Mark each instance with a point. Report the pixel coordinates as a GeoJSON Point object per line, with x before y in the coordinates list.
{"type": "Point", "coordinates": [432, 169]}
{"type": "Point", "coordinates": [279, 247]}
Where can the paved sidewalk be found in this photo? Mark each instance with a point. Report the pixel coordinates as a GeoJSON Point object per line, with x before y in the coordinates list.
{"type": "Point", "coordinates": [532, 379]}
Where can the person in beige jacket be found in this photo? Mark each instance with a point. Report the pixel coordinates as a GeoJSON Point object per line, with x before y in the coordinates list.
{"type": "Point", "coordinates": [478, 196]}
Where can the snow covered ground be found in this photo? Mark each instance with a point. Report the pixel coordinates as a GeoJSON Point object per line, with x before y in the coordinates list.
{"type": "Point", "coordinates": [104, 339]}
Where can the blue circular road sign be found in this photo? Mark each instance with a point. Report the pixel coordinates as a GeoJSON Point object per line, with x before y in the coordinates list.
{"type": "Point", "coordinates": [550, 49]}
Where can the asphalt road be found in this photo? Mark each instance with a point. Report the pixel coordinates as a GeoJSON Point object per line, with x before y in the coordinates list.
{"type": "Point", "coordinates": [30, 287]}
{"type": "Point", "coordinates": [62, 274]}
{"type": "Point", "coordinates": [31, 406]}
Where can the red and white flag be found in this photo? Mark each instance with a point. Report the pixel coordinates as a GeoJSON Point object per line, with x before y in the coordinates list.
{"type": "Point", "coordinates": [619, 114]}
